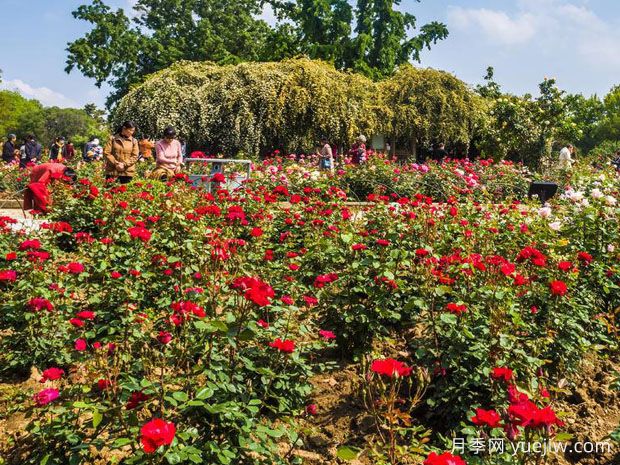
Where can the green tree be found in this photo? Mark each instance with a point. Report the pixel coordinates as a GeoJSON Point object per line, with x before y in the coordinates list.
{"type": "Point", "coordinates": [123, 51]}
{"type": "Point", "coordinates": [584, 115]}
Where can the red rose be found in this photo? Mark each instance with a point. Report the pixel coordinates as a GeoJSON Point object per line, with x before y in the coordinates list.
{"type": "Point", "coordinates": [287, 299]}
{"type": "Point", "coordinates": [502, 373]}
{"type": "Point", "coordinates": [137, 397]}
{"type": "Point", "coordinates": [287, 346]}
{"type": "Point", "coordinates": [115, 275]}
{"type": "Point", "coordinates": [584, 257]}
{"type": "Point", "coordinates": [255, 290]}
{"type": "Point", "coordinates": [488, 418]}
{"type": "Point", "coordinates": [453, 307]}
{"type": "Point", "coordinates": [52, 374]}
{"type": "Point", "coordinates": [138, 232]}
{"type": "Point", "coordinates": [444, 459]}
{"type": "Point", "coordinates": [10, 256]}
{"type": "Point", "coordinates": [164, 337]}
{"type": "Point", "coordinates": [46, 396]}
{"type": "Point", "coordinates": [383, 242]}
{"type": "Point", "coordinates": [218, 177]}
{"type": "Point", "coordinates": [321, 280]}
{"type": "Point", "coordinates": [156, 433]}
{"type": "Point", "coordinates": [30, 244]}
{"type": "Point", "coordinates": [80, 345]}
{"type": "Point", "coordinates": [327, 335]}
{"type": "Point", "coordinates": [8, 276]}
{"type": "Point", "coordinates": [86, 315]}
{"type": "Point", "coordinates": [558, 288]}
{"type": "Point", "coordinates": [565, 266]}
{"type": "Point", "coordinates": [76, 322]}
{"type": "Point", "coordinates": [75, 268]}
{"type": "Point", "coordinates": [38, 303]}
{"type": "Point", "coordinates": [103, 384]}
{"type": "Point", "coordinates": [256, 232]}
{"type": "Point", "coordinates": [312, 409]}
{"type": "Point", "coordinates": [359, 247]}
{"type": "Point", "coordinates": [390, 368]}
{"type": "Point", "coordinates": [263, 324]}
{"type": "Point", "coordinates": [310, 301]}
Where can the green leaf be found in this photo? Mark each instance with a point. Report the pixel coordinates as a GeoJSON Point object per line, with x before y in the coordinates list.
{"type": "Point", "coordinates": [180, 396]}
{"type": "Point", "coordinates": [173, 458]}
{"type": "Point", "coordinates": [97, 418]}
{"type": "Point", "coordinates": [448, 318]}
{"type": "Point", "coordinates": [347, 453]}
{"type": "Point", "coordinates": [120, 442]}
{"type": "Point", "coordinates": [204, 393]}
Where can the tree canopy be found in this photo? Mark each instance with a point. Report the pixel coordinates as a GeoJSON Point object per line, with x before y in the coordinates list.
{"type": "Point", "coordinates": [373, 37]}
{"type": "Point", "coordinates": [289, 105]}
{"type": "Point", "coordinates": [22, 116]}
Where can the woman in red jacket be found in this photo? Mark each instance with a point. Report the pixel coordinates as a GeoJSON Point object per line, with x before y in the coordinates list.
{"type": "Point", "coordinates": [37, 196]}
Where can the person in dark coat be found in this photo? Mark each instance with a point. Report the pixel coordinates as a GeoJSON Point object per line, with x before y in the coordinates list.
{"type": "Point", "coordinates": [8, 149]}
{"type": "Point", "coordinates": [440, 153]}
{"type": "Point", "coordinates": [32, 152]}
{"type": "Point", "coordinates": [58, 151]}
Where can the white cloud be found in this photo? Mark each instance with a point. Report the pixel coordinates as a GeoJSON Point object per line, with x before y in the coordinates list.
{"type": "Point", "coordinates": [552, 26]}
{"type": "Point", "coordinates": [45, 95]}
{"type": "Point", "coordinates": [496, 25]}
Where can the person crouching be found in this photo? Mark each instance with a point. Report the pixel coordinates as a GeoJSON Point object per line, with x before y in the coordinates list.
{"type": "Point", "coordinates": [168, 156]}
{"type": "Point", "coordinates": [37, 195]}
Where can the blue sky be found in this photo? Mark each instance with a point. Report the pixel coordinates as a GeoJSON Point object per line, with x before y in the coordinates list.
{"type": "Point", "coordinates": [575, 41]}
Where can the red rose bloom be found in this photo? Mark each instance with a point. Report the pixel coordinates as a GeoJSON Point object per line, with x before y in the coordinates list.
{"type": "Point", "coordinates": [390, 368]}
{"type": "Point", "coordinates": [256, 232]}
{"type": "Point", "coordinates": [584, 257]}
{"type": "Point", "coordinates": [287, 346]}
{"type": "Point", "coordinates": [46, 396]}
{"type": "Point", "coordinates": [80, 345]}
{"type": "Point", "coordinates": [52, 374]}
{"type": "Point", "coordinates": [76, 322]}
{"type": "Point", "coordinates": [455, 308]}
{"type": "Point", "coordinates": [312, 409]}
{"type": "Point", "coordinates": [138, 232]}
{"type": "Point", "coordinates": [488, 418]}
{"type": "Point", "coordinates": [500, 373]}
{"type": "Point", "coordinates": [75, 268]}
{"type": "Point", "coordinates": [38, 303]}
{"type": "Point", "coordinates": [8, 276]}
{"type": "Point", "coordinates": [327, 335]}
{"type": "Point", "coordinates": [565, 266]}
{"type": "Point", "coordinates": [164, 337]}
{"type": "Point", "coordinates": [156, 433]}
{"type": "Point", "coordinates": [558, 288]}
{"type": "Point", "coordinates": [255, 290]}
{"type": "Point", "coordinates": [383, 242]}
{"type": "Point", "coordinates": [359, 247]}
{"type": "Point", "coordinates": [115, 275]}
{"type": "Point", "coordinates": [137, 397]}
{"type": "Point", "coordinates": [444, 459]}
{"type": "Point", "coordinates": [86, 315]}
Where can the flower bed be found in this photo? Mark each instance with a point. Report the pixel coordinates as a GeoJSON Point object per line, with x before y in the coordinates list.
{"type": "Point", "coordinates": [175, 325]}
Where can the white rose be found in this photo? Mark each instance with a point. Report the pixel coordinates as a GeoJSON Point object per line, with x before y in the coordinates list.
{"type": "Point", "coordinates": [544, 212]}
{"type": "Point", "coordinates": [611, 248]}
{"type": "Point", "coordinates": [610, 200]}
{"type": "Point", "coordinates": [555, 226]}
{"type": "Point", "coordinates": [597, 194]}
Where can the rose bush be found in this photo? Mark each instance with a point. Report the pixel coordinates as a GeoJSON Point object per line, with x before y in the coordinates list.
{"type": "Point", "coordinates": [172, 323]}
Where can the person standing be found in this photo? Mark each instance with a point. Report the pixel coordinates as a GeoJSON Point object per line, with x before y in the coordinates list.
{"type": "Point", "coordinates": [146, 148]}
{"type": "Point", "coordinates": [69, 151]}
{"type": "Point", "coordinates": [168, 155]}
{"type": "Point", "coordinates": [32, 152]}
{"type": "Point", "coordinates": [566, 159]}
{"type": "Point", "coordinates": [440, 153]}
{"type": "Point", "coordinates": [326, 160]}
{"type": "Point", "coordinates": [8, 149]}
{"type": "Point", "coordinates": [58, 150]}
{"type": "Point", "coordinates": [358, 151]}
{"type": "Point", "coordinates": [121, 154]}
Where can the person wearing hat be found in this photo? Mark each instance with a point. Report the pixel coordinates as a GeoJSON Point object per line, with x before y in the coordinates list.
{"type": "Point", "coordinates": [8, 149]}
{"type": "Point", "coordinates": [358, 151]}
{"type": "Point", "coordinates": [32, 152]}
{"type": "Point", "coordinates": [37, 195]}
{"type": "Point", "coordinates": [58, 150]}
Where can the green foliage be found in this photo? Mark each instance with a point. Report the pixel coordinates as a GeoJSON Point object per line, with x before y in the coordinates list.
{"type": "Point", "coordinates": [254, 107]}
{"type": "Point", "coordinates": [427, 106]}
{"type": "Point", "coordinates": [22, 116]}
{"type": "Point", "coordinates": [258, 107]}
{"type": "Point", "coordinates": [123, 51]}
